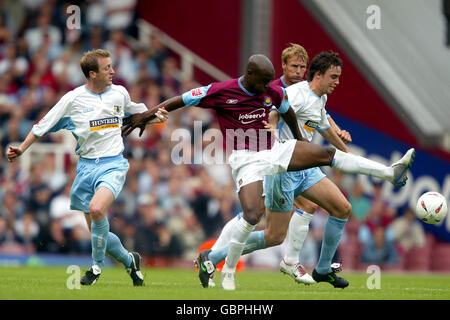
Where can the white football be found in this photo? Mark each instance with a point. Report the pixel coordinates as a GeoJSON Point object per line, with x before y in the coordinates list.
{"type": "Point", "coordinates": [431, 207]}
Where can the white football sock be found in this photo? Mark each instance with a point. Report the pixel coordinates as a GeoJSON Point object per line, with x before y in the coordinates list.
{"type": "Point", "coordinates": [297, 232]}
{"type": "Point", "coordinates": [239, 237]}
{"type": "Point", "coordinates": [225, 234]}
{"type": "Point", "coordinates": [350, 163]}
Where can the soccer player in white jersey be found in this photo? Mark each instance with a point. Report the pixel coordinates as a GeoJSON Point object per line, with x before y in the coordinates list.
{"type": "Point", "coordinates": [93, 113]}
{"type": "Point", "coordinates": [308, 99]}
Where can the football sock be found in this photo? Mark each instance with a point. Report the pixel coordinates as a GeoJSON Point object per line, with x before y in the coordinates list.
{"type": "Point", "coordinates": [331, 236]}
{"type": "Point", "coordinates": [297, 232]}
{"type": "Point", "coordinates": [225, 234]}
{"type": "Point", "coordinates": [99, 239]}
{"type": "Point", "coordinates": [240, 235]}
{"type": "Point", "coordinates": [350, 163]}
{"type": "Point", "coordinates": [255, 241]}
{"type": "Point", "coordinates": [116, 250]}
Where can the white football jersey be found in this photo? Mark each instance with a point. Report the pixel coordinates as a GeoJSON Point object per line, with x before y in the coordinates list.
{"type": "Point", "coordinates": [95, 120]}
{"type": "Point", "coordinates": [309, 109]}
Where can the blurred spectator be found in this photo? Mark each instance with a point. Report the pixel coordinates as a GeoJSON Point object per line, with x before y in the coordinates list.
{"type": "Point", "coordinates": [14, 15]}
{"type": "Point", "coordinates": [379, 249]}
{"type": "Point", "coordinates": [68, 227]}
{"type": "Point", "coordinates": [95, 13]}
{"type": "Point", "coordinates": [26, 231]}
{"type": "Point", "coordinates": [13, 63]}
{"type": "Point", "coordinates": [206, 205]}
{"type": "Point", "coordinates": [360, 203]}
{"type": "Point", "coordinates": [408, 231]}
{"type": "Point", "coordinates": [120, 14]}
{"type": "Point", "coordinates": [44, 35]}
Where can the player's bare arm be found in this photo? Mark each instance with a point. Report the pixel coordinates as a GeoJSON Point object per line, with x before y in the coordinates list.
{"type": "Point", "coordinates": [15, 152]}
{"type": "Point", "coordinates": [291, 120]}
{"type": "Point", "coordinates": [332, 137]}
{"type": "Point", "coordinates": [140, 120]}
{"type": "Point", "coordinates": [343, 134]}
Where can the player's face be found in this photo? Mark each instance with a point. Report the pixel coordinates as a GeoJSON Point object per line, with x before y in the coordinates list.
{"type": "Point", "coordinates": [105, 72]}
{"type": "Point", "coordinates": [259, 81]}
{"type": "Point", "coordinates": [294, 70]}
{"type": "Point", "coordinates": [330, 80]}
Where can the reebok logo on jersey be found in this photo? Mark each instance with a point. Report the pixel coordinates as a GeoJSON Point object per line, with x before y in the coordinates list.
{"type": "Point", "coordinates": [105, 123]}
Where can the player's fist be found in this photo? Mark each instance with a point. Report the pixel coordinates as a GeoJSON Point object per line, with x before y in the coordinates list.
{"type": "Point", "coordinates": [13, 153]}
{"type": "Point", "coordinates": [345, 136]}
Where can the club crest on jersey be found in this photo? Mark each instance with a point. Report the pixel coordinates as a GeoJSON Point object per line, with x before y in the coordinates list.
{"type": "Point", "coordinates": [267, 102]}
{"type": "Point", "coordinates": [117, 109]}
{"type": "Point", "coordinates": [105, 123]}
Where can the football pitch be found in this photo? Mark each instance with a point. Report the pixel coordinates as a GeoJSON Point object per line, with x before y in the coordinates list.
{"type": "Point", "coordinates": [48, 283]}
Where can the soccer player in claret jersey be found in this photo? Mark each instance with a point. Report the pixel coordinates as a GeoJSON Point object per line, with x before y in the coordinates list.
{"type": "Point", "coordinates": [242, 106]}
{"type": "Point", "coordinates": [294, 62]}
{"type": "Point", "coordinates": [93, 113]}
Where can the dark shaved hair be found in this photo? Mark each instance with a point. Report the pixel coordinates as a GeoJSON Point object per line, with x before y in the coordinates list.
{"type": "Point", "coordinates": [259, 62]}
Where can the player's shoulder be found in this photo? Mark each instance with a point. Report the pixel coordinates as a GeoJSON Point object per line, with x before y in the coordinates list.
{"type": "Point", "coordinates": [298, 89]}
{"type": "Point", "coordinates": [74, 93]}
{"type": "Point", "coordinates": [224, 85]}
{"type": "Point", "coordinates": [119, 88]}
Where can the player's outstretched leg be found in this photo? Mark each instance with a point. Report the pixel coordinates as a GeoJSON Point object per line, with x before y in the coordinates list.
{"type": "Point", "coordinates": [395, 173]}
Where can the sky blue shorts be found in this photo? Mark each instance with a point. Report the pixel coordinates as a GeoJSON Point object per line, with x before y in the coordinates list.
{"type": "Point", "coordinates": [109, 172]}
{"type": "Point", "coordinates": [282, 189]}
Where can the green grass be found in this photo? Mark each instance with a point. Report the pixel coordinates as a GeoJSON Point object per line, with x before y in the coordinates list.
{"type": "Point", "coordinates": [48, 283]}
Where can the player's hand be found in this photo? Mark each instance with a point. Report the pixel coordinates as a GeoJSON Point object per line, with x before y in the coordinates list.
{"type": "Point", "coordinates": [271, 128]}
{"type": "Point", "coordinates": [13, 153]}
{"type": "Point", "coordinates": [345, 136]}
{"type": "Point", "coordinates": [132, 122]}
{"type": "Point", "coordinates": [161, 116]}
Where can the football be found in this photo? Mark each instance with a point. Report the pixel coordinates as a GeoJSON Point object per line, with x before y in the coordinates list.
{"type": "Point", "coordinates": [431, 207]}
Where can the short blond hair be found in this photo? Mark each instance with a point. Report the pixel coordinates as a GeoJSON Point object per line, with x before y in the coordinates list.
{"type": "Point", "coordinates": [89, 61]}
{"type": "Point", "coordinates": [295, 50]}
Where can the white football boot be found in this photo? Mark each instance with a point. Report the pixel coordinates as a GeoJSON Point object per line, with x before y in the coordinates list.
{"type": "Point", "coordinates": [227, 280]}
{"type": "Point", "coordinates": [297, 272]}
{"type": "Point", "coordinates": [401, 168]}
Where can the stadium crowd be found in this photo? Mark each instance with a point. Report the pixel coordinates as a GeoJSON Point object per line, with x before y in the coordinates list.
{"type": "Point", "coordinates": [165, 209]}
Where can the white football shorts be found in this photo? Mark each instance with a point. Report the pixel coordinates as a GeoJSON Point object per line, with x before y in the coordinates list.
{"type": "Point", "coordinates": [250, 166]}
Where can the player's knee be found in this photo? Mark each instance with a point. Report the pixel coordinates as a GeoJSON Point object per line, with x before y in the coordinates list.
{"type": "Point", "coordinates": [345, 210]}
{"type": "Point", "coordinates": [252, 216]}
{"type": "Point", "coordinates": [328, 154]}
{"type": "Point", "coordinates": [96, 212]}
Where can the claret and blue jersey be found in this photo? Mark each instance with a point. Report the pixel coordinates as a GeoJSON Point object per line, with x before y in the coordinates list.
{"type": "Point", "coordinates": [240, 112]}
